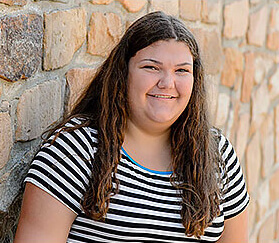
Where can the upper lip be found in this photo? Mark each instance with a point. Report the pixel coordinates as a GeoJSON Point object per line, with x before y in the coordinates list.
{"type": "Point", "coordinates": [169, 96]}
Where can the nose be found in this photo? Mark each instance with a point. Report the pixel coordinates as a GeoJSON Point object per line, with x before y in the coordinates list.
{"type": "Point", "coordinates": [166, 81]}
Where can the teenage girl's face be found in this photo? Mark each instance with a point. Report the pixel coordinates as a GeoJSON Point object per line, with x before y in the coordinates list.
{"type": "Point", "coordinates": [160, 82]}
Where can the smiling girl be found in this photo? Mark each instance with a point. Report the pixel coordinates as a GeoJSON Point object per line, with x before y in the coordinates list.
{"type": "Point", "coordinates": [137, 159]}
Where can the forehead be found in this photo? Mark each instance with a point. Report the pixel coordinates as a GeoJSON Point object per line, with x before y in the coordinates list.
{"type": "Point", "coordinates": [166, 51]}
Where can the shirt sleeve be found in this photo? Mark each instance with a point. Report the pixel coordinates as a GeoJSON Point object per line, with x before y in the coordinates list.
{"type": "Point", "coordinates": [235, 198]}
{"type": "Point", "coordinates": [63, 168]}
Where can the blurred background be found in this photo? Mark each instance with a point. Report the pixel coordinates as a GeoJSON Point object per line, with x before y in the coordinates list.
{"type": "Point", "coordinates": [49, 51]}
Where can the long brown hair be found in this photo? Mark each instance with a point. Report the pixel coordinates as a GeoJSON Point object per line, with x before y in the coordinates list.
{"type": "Point", "coordinates": [194, 149]}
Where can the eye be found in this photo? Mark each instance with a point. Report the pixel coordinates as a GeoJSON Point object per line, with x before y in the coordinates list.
{"type": "Point", "coordinates": [151, 67]}
{"type": "Point", "coordinates": [182, 70]}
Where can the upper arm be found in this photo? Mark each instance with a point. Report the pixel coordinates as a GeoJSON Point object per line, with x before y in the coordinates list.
{"type": "Point", "coordinates": [235, 198]}
{"type": "Point", "coordinates": [236, 229]}
{"type": "Point", "coordinates": [43, 218]}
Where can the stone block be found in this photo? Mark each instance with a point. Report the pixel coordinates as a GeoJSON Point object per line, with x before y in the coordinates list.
{"type": "Point", "coordinates": [211, 11]}
{"type": "Point", "coordinates": [252, 213]}
{"type": "Point", "coordinates": [236, 19]}
{"type": "Point", "coordinates": [267, 144]}
{"type": "Point", "coordinates": [78, 79]}
{"type": "Point", "coordinates": [253, 163]}
{"type": "Point", "coordinates": [272, 42]}
{"type": "Point", "coordinates": [273, 187]}
{"type": "Point", "coordinates": [233, 66]}
{"type": "Point", "coordinates": [263, 199]}
{"type": "Point", "coordinates": [132, 5]}
{"type": "Point", "coordinates": [277, 226]}
{"type": "Point", "coordinates": [60, 1]}
{"type": "Point", "coordinates": [38, 108]}
{"type": "Point", "coordinates": [276, 130]}
{"type": "Point", "coordinates": [65, 32]}
{"type": "Point", "coordinates": [168, 6]}
{"type": "Point", "coordinates": [20, 46]}
{"type": "Point", "coordinates": [248, 78]}
{"type": "Point", "coordinates": [105, 2]}
{"type": "Point", "coordinates": [274, 19]}
{"type": "Point", "coordinates": [242, 134]}
{"type": "Point", "coordinates": [260, 106]}
{"type": "Point", "coordinates": [210, 40]}
{"type": "Point", "coordinates": [6, 138]}
{"type": "Point", "coordinates": [213, 92]}
{"type": "Point", "coordinates": [222, 109]}
{"type": "Point", "coordinates": [190, 9]}
{"type": "Point", "coordinates": [105, 31]}
{"type": "Point", "coordinates": [257, 27]}
{"type": "Point", "coordinates": [263, 65]}
{"type": "Point", "coordinates": [266, 232]}
{"type": "Point", "coordinates": [14, 2]}
{"type": "Point", "coordinates": [274, 85]}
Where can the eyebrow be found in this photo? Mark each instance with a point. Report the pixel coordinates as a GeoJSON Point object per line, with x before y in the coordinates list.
{"type": "Point", "coordinates": [158, 62]}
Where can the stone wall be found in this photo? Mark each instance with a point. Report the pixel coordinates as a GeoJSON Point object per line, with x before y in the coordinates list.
{"type": "Point", "coordinates": [49, 51]}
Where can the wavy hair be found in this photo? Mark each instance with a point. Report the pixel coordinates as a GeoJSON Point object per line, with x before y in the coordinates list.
{"type": "Point", "coordinates": [194, 148]}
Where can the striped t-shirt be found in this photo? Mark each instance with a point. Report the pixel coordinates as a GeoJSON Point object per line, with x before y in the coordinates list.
{"type": "Point", "coordinates": [146, 209]}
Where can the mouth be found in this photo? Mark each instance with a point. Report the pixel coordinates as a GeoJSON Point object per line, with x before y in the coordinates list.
{"type": "Point", "coordinates": [162, 96]}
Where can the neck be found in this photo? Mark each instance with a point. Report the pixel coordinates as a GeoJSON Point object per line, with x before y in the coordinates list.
{"type": "Point", "coordinates": [147, 137]}
{"type": "Point", "coordinates": [149, 148]}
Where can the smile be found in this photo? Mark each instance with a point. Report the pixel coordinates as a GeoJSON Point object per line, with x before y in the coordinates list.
{"type": "Point", "coordinates": [162, 96]}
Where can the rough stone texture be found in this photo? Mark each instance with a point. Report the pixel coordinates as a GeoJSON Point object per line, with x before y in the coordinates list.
{"type": "Point", "coordinates": [232, 124]}
{"type": "Point", "coordinates": [105, 31]}
{"type": "Point", "coordinates": [262, 65]}
{"type": "Point", "coordinates": [277, 226]}
{"type": "Point", "coordinates": [274, 19]}
{"type": "Point", "coordinates": [222, 109]}
{"type": "Point", "coordinates": [276, 118]}
{"type": "Point", "coordinates": [273, 35]}
{"type": "Point", "coordinates": [273, 186]}
{"type": "Point", "coordinates": [78, 80]}
{"type": "Point", "coordinates": [211, 11]}
{"type": "Point", "coordinates": [252, 212]}
{"type": "Point", "coordinates": [267, 144]}
{"type": "Point", "coordinates": [65, 32]}
{"type": "Point", "coordinates": [233, 66]}
{"type": "Point", "coordinates": [263, 198]}
{"type": "Point", "coordinates": [273, 41]}
{"type": "Point", "coordinates": [257, 27]}
{"type": "Point", "coordinates": [168, 6]}
{"type": "Point", "coordinates": [190, 9]}
{"type": "Point", "coordinates": [210, 40]}
{"type": "Point", "coordinates": [274, 85]}
{"type": "Point", "coordinates": [33, 115]}
{"type": "Point", "coordinates": [105, 2]}
{"type": "Point", "coordinates": [253, 163]}
{"type": "Point", "coordinates": [20, 46]}
{"type": "Point", "coordinates": [266, 232]}
{"type": "Point", "coordinates": [260, 105]}
{"type": "Point", "coordinates": [14, 2]}
{"type": "Point", "coordinates": [253, 2]}
{"type": "Point", "coordinates": [248, 77]}
{"type": "Point", "coordinates": [213, 91]}
{"type": "Point", "coordinates": [132, 5]}
{"type": "Point", "coordinates": [6, 138]}
{"type": "Point", "coordinates": [5, 106]}
{"type": "Point", "coordinates": [242, 134]}
{"type": "Point", "coordinates": [236, 19]}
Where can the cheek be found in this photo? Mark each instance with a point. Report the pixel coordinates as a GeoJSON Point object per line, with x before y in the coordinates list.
{"type": "Point", "coordinates": [185, 88]}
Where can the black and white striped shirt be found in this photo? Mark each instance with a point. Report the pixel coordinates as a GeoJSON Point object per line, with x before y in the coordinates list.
{"type": "Point", "coordinates": [146, 209]}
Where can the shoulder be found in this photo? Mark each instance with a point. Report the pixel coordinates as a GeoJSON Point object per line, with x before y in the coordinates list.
{"type": "Point", "coordinates": [63, 165]}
